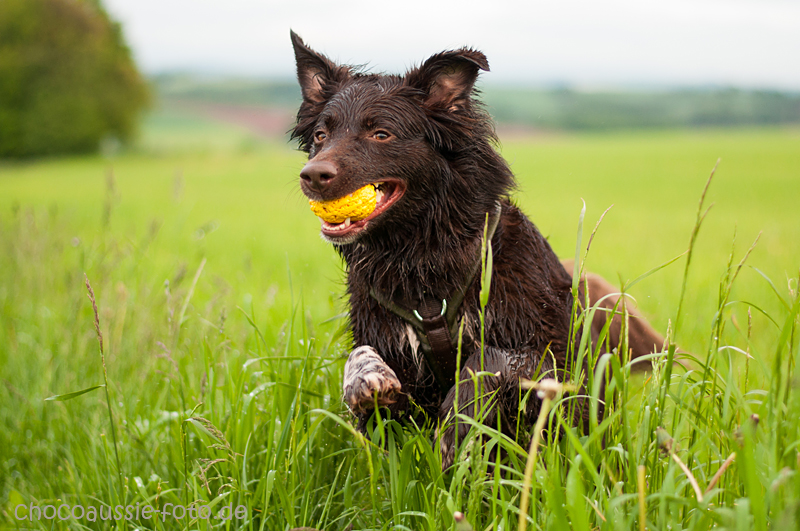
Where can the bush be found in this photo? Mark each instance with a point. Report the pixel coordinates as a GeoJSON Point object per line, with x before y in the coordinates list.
{"type": "Point", "coordinates": [67, 79]}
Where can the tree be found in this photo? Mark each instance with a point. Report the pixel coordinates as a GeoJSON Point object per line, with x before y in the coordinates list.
{"type": "Point", "coordinates": [67, 79]}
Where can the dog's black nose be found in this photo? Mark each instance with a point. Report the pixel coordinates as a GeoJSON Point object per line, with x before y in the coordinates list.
{"type": "Point", "coordinates": [318, 174]}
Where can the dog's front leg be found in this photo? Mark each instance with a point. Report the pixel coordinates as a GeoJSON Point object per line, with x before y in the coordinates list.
{"type": "Point", "coordinates": [368, 378]}
{"type": "Point", "coordinates": [469, 403]}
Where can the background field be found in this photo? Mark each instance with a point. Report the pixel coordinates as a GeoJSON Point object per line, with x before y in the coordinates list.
{"type": "Point", "coordinates": [201, 228]}
{"type": "Point", "coordinates": [213, 190]}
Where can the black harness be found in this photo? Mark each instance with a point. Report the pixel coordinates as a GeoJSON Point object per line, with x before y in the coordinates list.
{"type": "Point", "coordinates": [435, 322]}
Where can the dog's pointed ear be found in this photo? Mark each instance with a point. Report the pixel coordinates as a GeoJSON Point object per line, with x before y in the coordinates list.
{"type": "Point", "coordinates": [315, 72]}
{"type": "Point", "coordinates": [447, 78]}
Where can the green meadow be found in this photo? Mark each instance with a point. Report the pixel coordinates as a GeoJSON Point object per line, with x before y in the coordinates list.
{"type": "Point", "coordinates": [221, 313]}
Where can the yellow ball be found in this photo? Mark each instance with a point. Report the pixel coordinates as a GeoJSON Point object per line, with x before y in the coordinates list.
{"type": "Point", "coordinates": [355, 206]}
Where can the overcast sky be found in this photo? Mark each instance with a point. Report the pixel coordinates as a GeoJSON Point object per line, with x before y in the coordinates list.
{"type": "Point", "coordinates": [583, 43]}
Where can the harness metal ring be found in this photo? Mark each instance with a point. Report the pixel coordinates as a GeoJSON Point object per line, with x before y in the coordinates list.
{"type": "Point", "coordinates": [444, 309]}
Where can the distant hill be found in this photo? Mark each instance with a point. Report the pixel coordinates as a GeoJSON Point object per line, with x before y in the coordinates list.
{"type": "Point", "coordinates": [565, 109]}
{"type": "Point", "coordinates": [229, 91]}
{"type": "Point", "coordinates": [569, 109]}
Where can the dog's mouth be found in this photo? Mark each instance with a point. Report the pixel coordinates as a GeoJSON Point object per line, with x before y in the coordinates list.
{"type": "Point", "coordinates": [387, 193]}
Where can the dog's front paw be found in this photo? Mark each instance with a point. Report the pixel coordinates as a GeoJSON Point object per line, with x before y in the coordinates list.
{"type": "Point", "coordinates": [365, 376]}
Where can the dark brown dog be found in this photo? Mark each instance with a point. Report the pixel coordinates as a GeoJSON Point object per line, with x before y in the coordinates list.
{"type": "Point", "coordinates": [413, 264]}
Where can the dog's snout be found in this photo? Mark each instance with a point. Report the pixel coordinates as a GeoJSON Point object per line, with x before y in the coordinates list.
{"type": "Point", "coordinates": [318, 174]}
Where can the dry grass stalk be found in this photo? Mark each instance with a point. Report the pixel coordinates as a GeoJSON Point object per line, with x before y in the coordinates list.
{"type": "Point", "coordinates": [721, 471]}
{"type": "Point", "coordinates": [105, 379]}
{"type": "Point", "coordinates": [546, 390]}
{"type": "Point", "coordinates": [690, 476]}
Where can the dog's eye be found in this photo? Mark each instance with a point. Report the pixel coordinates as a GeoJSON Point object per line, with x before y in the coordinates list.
{"type": "Point", "coordinates": [319, 136]}
{"type": "Point", "coordinates": [381, 135]}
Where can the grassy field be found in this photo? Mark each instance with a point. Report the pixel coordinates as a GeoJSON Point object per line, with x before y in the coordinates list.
{"type": "Point", "coordinates": [221, 314]}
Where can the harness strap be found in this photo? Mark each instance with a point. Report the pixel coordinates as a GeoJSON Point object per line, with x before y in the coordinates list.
{"type": "Point", "coordinates": [435, 322]}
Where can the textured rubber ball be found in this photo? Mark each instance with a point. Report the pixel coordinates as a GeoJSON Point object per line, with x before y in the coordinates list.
{"type": "Point", "coordinates": [355, 206]}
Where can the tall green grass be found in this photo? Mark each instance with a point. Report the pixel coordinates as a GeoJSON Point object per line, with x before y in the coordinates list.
{"type": "Point", "coordinates": [222, 398]}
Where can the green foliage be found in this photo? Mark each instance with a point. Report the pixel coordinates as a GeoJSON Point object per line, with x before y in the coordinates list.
{"type": "Point", "coordinates": [67, 80]}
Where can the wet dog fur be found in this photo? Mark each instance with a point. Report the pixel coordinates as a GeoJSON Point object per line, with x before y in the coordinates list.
{"type": "Point", "coordinates": [429, 145]}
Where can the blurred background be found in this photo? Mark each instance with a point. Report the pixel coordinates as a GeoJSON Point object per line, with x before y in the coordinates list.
{"type": "Point", "coordinates": [145, 115]}
{"type": "Point", "coordinates": [573, 66]}
{"type": "Point", "coordinates": [167, 122]}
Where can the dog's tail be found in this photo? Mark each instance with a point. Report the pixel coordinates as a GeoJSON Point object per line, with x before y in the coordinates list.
{"type": "Point", "coordinates": [642, 338]}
